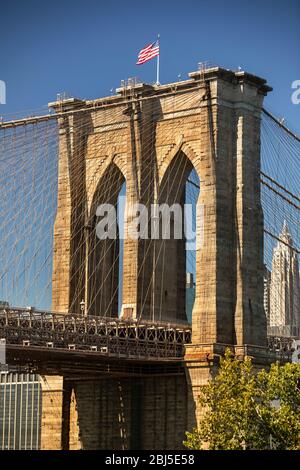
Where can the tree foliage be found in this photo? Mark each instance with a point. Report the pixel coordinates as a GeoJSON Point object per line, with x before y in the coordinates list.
{"type": "Point", "coordinates": [249, 409]}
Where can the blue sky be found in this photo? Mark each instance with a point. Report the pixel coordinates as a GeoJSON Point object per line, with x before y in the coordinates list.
{"type": "Point", "coordinates": [87, 47]}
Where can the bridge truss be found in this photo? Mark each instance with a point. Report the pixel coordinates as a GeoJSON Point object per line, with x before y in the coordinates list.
{"type": "Point", "coordinates": [45, 336]}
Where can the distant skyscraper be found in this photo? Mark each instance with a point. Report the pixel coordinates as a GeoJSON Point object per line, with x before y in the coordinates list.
{"type": "Point", "coordinates": [267, 282]}
{"type": "Point", "coordinates": [190, 296]}
{"type": "Point", "coordinates": [20, 411]}
{"type": "Point", "coordinates": [285, 284]}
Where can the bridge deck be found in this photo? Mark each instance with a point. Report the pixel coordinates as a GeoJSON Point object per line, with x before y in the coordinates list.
{"type": "Point", "coordinates": [89, 343]}
{"type": "Point", "coordinates": [73, 344]}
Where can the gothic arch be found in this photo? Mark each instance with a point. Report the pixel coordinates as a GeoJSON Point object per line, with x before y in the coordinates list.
{"type": "Point", "coordinates": [170, 272]}
{"type": "Point", "coordinates": [99, 171]}
{"type": "Point", "coordinates": [103, 255]}
{"type": "Point", "coordinates": [189, 152]}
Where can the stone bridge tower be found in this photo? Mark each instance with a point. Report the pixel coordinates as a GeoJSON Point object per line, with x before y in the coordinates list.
{"type": "Point", "coordinates": [152, 137]}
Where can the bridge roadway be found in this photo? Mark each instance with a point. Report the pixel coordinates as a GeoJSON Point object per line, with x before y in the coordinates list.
{"type": "Point", "coordinates": [68, 344]}
{"type": "Point", "coordinates": [56, 343]}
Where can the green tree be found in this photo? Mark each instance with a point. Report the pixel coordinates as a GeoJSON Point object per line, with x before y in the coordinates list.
{"type": "Point", "coordinates": [246, 409]}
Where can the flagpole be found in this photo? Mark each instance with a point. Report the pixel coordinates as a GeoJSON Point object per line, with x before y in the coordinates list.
{"type": "Point", "coordinates": [157, 63]}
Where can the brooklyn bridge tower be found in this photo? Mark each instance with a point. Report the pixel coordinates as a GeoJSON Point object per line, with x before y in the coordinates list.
{"type": "Point", "coordinates": [144, 142]}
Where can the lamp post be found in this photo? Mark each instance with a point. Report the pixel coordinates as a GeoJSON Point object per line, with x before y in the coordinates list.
{"type": "Point", "coordinates": [82, 307]}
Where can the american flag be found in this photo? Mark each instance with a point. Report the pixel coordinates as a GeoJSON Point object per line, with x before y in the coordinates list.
{"type": "Point", "coordinates": [150, 51]}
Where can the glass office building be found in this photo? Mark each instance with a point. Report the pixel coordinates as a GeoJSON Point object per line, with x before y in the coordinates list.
{"type": "Point", "coordinates": [190, 293]}
{"type": "Point", "coordinates": [20, 411]}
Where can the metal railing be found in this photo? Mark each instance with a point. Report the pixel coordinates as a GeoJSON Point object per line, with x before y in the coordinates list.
{"type": "Point", "coordinates": [102, 335]}
{"type": "Point", "coordinates": [128, 338]}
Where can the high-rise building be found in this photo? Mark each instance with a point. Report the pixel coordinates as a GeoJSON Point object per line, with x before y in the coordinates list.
{"type": "Point", "coordinates": [190, 296]}
{"type": "Point", "coordinates": [267, 282]}
{"type": "Point", "coordinates": [285, 284]}
{"type": "Point", "coordinates": [20, 411]}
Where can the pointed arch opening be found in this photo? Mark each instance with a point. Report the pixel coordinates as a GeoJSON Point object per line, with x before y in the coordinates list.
{"type": "Point", "coordinates": [175, 256]}
{"type": "Point", "coordinates": [105, 253]}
